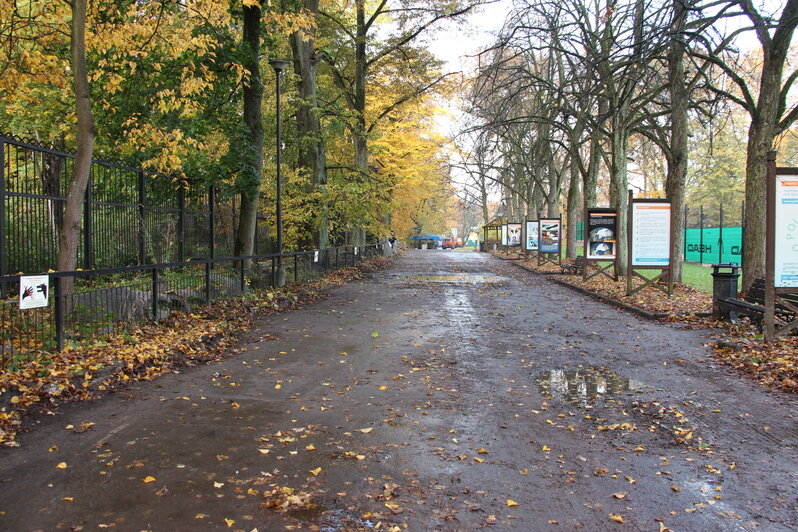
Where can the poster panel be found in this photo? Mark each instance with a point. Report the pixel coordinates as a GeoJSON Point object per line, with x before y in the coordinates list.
{"type": "Point", "coordinates": [33, 291]}
{"type": "Point", "coordinates": [531, 235]}
{"type": "Point", "coordinates": [602, 234]}
{"type": "Point", "coordinates": [651, 233]}
{"type": "Point", "coordinates": [786, 231]}
{"type": "Point", "coordinates": [514, 234]}
{"type": "Point", "coordinates": [550, 231]}
{"type": "Point", "coordinates": [504, 235]}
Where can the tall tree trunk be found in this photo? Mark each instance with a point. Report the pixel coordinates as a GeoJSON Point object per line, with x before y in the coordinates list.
{"type": "Point", "coordinates": [761, 134]}
{"type": "Point", "coordinates": [677, 161]}
{"type": "Point", "coordinates": [572, 214]}
{"type": "Point", "coordinates": [311, 146]}
{"type": "Point", "coordinates": [250, 182]}
{"type": "Point", "coordinates": [590, 187]}
{"type": "Point", "coordinates": [619, 185]}
{"type": "Point", "coordinates": [73, 210]}
{"type": "Point", "coordinates": [360, 133]}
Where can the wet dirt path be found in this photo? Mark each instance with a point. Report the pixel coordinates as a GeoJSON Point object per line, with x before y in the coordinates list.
{"type": "Point", "coordinates": [451, 392]}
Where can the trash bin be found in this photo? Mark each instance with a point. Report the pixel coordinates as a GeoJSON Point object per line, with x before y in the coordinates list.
{"type": "Point", "coordinates": [482, 246]}
{"type": "Point", "coordinates": [724, 284]}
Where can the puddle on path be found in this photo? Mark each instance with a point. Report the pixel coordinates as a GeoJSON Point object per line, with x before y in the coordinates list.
{"type": "Point", "coordinates": [461, 278]}
{"type": "Point", "coordinates": [583, 385]}
{"type": "Point", "coordinates": [328, 520]}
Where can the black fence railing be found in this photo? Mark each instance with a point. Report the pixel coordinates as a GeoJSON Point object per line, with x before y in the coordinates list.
{"type": "Point", "coordinates": [103, 301]}
{"type": "Point", "coordinates": [131, 216]}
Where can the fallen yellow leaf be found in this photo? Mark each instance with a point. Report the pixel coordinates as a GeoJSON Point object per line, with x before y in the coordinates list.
{"type": "Point", "coordinates": [310, 447]}
{"type": "Point", "coordinates": [366, 431]}
{"type": "Point", "coordinates": [511, 503]}
{"type": "Point", "coordinates": [617, 518]}
{"type": "Point", "coordinates": [315, 472]}
{"type": "Point", "coordinates": [483, 451]}
{"type": "Point", "coordinates": [61, 465]}
{"type": "Point", "coordinates": [148, 479]}
{"type": "Point", "coordinates": [229, 522]}
{"type": "Point", "coordinates": [546, 448]}
{"type": "Point", "coordinates": [278, 386]}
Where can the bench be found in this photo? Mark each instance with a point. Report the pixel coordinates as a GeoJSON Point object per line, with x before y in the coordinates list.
{"type": "Point", "coordinates": [573, 268]}
{"type": "Point", "coordinates": [753, 305]}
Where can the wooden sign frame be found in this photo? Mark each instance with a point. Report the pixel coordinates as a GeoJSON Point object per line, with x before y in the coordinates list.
{"type": "Point", "coordinates": [633, 271]}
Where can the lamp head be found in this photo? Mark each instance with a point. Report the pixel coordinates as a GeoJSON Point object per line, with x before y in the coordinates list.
{"type": "Point", "coordinates": [278, 64]}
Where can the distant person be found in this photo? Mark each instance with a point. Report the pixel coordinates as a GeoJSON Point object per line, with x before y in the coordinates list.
{"type": "Point", "coordinates": [392, 240]}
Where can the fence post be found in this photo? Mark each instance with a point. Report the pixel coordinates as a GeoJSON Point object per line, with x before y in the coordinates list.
{"type": "Point", "coordinates": [88, 236]}
{"type": "Point", "coordinates": [155, 295]}
{"type": "Point", "coordinates": [181, 224]}
{"type": "Point", "coordinates": [208, 282]}
{"type": "Point", "coordinates": [742, 233]}
{"type": "Point", "coordinates": [59, 314]}
{"type": "Point", "coordinates": [701, 236]}
{"type": "Point", "coordinates": [720, 236]}
{"type": "Point", "coordinates": [241, 275]}
{"type": "Point", "coordinates": [142, 212]}
{"type": "Point", "coordinates": [3, 265]}
{"type": "Point", "coordinates": [684, 251]}
{"type": "Point", "coordinates": [212, 222]}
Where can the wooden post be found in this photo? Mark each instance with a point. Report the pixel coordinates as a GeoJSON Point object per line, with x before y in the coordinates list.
{"type": "Point", "coordinates": [770, 248]}
{"type": "Point", "coordinates": [629, 243]}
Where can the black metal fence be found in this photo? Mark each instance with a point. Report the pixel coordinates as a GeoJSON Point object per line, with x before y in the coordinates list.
{"type": "Point", "coordinates": [131, 216]}
{"type": "Point", "coordinates": [103, 301]}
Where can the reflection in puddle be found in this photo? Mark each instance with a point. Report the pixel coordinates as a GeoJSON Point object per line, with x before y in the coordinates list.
{"type": "Point", "coordinates": [583, 385]}
{"type": "Point", "coordinates": [462, 278]}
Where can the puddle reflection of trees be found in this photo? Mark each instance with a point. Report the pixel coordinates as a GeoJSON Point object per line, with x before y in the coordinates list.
{"type": "Point", "coordinates": [578, 386]}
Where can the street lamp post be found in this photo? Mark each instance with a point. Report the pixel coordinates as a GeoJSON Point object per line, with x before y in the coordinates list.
{"type": "Point", "coordinates": [279, 65]}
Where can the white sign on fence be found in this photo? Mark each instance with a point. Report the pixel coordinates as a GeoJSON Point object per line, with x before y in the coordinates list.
{"type": "Point", "coordinates": [651, 234]}
{"type": "Point", "coordinates": [786, 244]}
{"type": "Point", "coordinates": [33, 291]}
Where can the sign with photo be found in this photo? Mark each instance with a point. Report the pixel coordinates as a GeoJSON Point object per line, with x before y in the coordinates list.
{"type": "Point", "coordinates": [531, 235]}
{"type": "Point", "coordinates": [550, 234]}
{"type": "Point", "coordinates": [514, 234]}
{"type": "Point", "coordinates": [786, 231]}
{"type": "Point", "coordinates": [33, 291]}
{"type": "Point", "coordinates": [602, 233]}
{"type": "Point", "coordinates": [651, 233]}
{"type": "Point", "coordinates": [504, 235]}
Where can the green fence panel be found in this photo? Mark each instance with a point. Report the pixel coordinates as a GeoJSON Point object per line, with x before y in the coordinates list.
{"type": "Point", "coordinates": [711, 249]}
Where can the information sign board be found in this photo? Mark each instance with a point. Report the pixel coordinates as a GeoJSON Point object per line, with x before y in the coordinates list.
{"type": "Point", "coordinates": [651, 235]}
{"type": "Point", "coordinates": [786, 231]}
{"type": "Point", "coordinates": [514, 234]}
{"type": "Point", "coordinates": [550, 235]}
{"type": "Point", "coordinates": [602, 234]}
{"type": "Point", "coordinates": [531, 235]}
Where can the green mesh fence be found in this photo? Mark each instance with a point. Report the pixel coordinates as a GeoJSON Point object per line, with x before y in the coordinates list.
{"type": "Point", "coordinates": [717, 245]}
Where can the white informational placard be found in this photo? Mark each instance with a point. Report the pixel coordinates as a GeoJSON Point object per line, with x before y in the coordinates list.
{"type": "Point", "coordinates": [651, 234]}
{"type": "Point", "coordinates": [33, 291]}
{"type": "Point", "coordinates": [532, 235]}
{"type": "Point", "coordinates": [504, 235]}
{"type": "Point", "coordinates": [514, 234]}
{"type": "Point", "coordinates": [786, 241]}
{"type": "Point", "coordinates": [316, 256]}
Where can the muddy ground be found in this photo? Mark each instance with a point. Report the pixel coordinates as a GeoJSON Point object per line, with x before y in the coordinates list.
{"type": "Point", "coordinates": [450, 392]}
